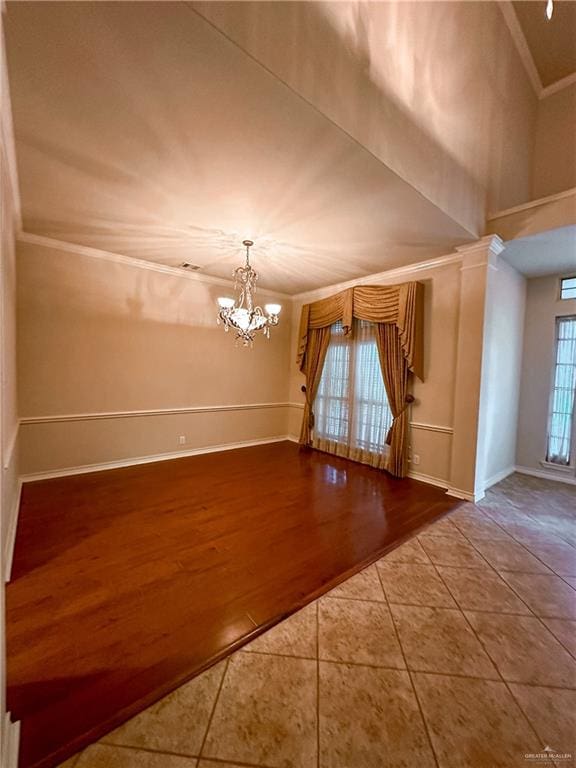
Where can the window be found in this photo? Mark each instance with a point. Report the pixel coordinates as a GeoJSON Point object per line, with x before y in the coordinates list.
{"type": "Point", "coordinates": [352, 415]}
{"type": "Point", "coordinates": [568, 288]}
{"type": "Point", "coordinates": [560, 426]}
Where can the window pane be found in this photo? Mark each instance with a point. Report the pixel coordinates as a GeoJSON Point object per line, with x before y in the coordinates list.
{"type": "Point", "coordinates": [562, 399]}
{"type": "Point", "coordinates": [351, 408]}
{"type": "Point", "coordinates": [372, 416]}
{"type": "Point", "coordinates": [568, 288]}
{"type": "Point", "coordinates": [331, 405]}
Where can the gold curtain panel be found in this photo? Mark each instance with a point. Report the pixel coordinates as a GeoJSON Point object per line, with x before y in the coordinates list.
{"type": "Point", "coordinates": [400, 305]}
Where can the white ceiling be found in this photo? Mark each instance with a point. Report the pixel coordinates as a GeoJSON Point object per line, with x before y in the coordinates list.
{"type": "Point", "coordinates": [142, 130]}
{"type": "Point", "coordinates": [547, 253]}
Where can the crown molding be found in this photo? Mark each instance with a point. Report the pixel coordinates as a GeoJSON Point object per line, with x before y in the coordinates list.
{"type": "Point", "coordinates": [130, 261]}
{"type": "Point", "coordinates": [532, 204]}
{"type": "Point", "coordinates": [559, 85]}
{"type": "Point", "coordinates": [525, 54]}
{"type": "Point", "coordinates": [482, 253]}
{"type": "Point", "coordinates": [521, 45]}
{"type": "Point", "coordinates": [409, 269]}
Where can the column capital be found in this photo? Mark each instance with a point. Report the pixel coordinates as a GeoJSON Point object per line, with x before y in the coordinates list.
{"type": "Point", "coordinates": [482, 252]}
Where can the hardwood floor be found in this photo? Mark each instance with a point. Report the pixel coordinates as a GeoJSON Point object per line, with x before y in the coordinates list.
{"type": "Point", "coordinates": [128, 582]}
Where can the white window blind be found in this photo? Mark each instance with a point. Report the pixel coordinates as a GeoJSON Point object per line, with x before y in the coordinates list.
{"type": "Point", "coordinates": [352, 415]}
{"type": "Point", "coordinates": [560, 425]}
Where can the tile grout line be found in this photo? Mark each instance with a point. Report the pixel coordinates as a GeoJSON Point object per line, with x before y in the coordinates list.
{"type": "Point", "coordinates": [240, 764]}
{"type": "Point", "coordinates": [530, 519]}
{"type": "Point", "coordinates": [147, 750]}
{"type": "Point", "coordinates": [532, 613]}
{"type": "Point", "coordinates": [150, 751]}
{"type": "Point", "coordinates": [521, 544]}
{"type": "Point", "coordinates": [366, 665]}
{"type": "Point", "coordinates": [417, 699]}
{"type": "Point", "coordinates": [203, 744]}
{"type": "Point", "coordinates": [486, 651]}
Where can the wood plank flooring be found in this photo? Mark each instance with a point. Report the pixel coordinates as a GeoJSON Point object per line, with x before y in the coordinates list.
{"type": "Point", "coordinates": [128, 582]}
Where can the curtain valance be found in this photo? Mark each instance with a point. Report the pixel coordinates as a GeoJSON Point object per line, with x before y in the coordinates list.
{"type": "Point", "coordinates": [400, 305]}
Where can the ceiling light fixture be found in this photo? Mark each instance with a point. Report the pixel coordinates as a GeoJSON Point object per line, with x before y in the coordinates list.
{"type": "Point", "coordinates": [549, 9]}
{"type": "Point", "coordinates": [242, 315]}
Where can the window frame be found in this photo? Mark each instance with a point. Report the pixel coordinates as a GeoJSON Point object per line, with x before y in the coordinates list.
{"type": "Point", "coordinates": [353, 343]}
{"type": "Point", "coordinates": [571, 466]}
{"type": "Point", "coordinates": [560, 282]}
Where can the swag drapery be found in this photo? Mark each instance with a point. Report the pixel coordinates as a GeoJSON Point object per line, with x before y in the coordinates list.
{"type": "Point", "coordinates": [398, 312]}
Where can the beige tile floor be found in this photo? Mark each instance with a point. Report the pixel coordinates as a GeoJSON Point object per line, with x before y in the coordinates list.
{"type": "Point", "coordinates": [456, 650]}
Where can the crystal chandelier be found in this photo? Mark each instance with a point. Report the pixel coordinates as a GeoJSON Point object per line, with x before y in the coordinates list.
{"type": "Point", "coordinates": [242, 315]}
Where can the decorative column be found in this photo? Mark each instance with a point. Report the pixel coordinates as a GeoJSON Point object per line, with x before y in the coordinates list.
{"type": "Point", "coordinates": [478, 271]}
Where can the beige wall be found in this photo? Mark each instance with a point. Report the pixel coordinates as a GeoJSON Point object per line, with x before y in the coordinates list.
{"type": "Point", "coordinates": [432, 414]}
{"type": "Point", "coordinates": [542, 307]}
{"type": "Point", "coordinates": [98, 337]}
{"type": "Point", "coordinates": [436, 91]}
{"type": "Point", "coordinates": [501, 372]}
{"type": "Point", "coordinates": [555, 145]}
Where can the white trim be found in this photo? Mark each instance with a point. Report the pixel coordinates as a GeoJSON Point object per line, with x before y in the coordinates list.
{"type": "Point", "coordinates": [499, 476]}
{"type": "Point", "coordinates": [67, 417]}
{"type": "Point", "coordinates": [559, 85]}
{"type": "Point", "coordinates": [544, 475]}
{"type": "Point", "coordinates": [409, 269]}
{"type": "Point", "coordinates": [130, 261]}
{"type": "Point", "coordinates": [560, 468]}
{"type": "Point", "coordinates": [56, 419]}
{"type": "Point", "coordinates": [10, 541]}
{"type": "Point", "coordinates": [458, 493]}
{"type": "Point", "coordinates": [413, 424]}
{"type": "Point", "coordinates": [490, 245]}
{"type": "Point", "coordinates": [9, 454]}
{"type": "Point", "coordinates": [437, 481]}
{"type": "Point", "coordinates": [532, 204]}
{"type": "Point", "coordinates": [519, 40]}
{"type": "Point", "coordinates": [11, 744]}
{"type": "Point", "coordinates": [148, 459]}
{"type": "Point", "coordinates": [432, 427]}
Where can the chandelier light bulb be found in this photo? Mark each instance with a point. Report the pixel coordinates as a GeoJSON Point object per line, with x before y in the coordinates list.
{"type": "Point", "coordinates": [241, 314]}
{"type": "Point", "coordinates": [549, 9]}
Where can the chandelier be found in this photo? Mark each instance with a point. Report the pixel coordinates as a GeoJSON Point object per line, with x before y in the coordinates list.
{"type": "Point", "coordinates": [242, 315]}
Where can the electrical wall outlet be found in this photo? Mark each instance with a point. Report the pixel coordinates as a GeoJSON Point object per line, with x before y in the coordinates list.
{"type": "Point", "coordinates": [181, 439]}
{"type": "Point", "coordinates": [415, 459]}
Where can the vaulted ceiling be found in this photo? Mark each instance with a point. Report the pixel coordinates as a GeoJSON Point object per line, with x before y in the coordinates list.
{"type": "Point", "coordinates": [141, 129]}
{"type": "Point", "coordinates": [552, 43]}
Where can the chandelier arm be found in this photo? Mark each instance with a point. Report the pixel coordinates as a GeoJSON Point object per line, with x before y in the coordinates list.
{"type": "Point", "coordinates": [246, 318]}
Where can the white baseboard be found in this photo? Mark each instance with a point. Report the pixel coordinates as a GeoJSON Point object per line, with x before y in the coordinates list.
{"type": "Point", "coordinates": [11, 743]}
{"type": "Point", "coordinates": [498, 477]}
{"type": "Point", "coordinates": [437, 481]}
{"type": "Point", "coordinates": [458, 493]}
{"type": "Point", "coordinates": [546, 475]}
{"type": "Point", "coordinates": [81, 470]}
{"type": "Point", "coordinates": [11, 534]}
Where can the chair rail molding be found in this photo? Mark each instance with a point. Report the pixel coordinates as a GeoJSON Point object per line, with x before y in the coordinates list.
{"type": "Point", "coordinates": [93, 416]}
